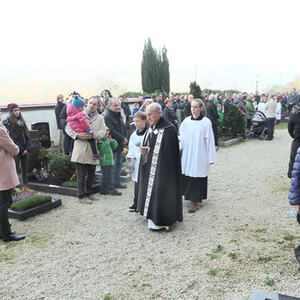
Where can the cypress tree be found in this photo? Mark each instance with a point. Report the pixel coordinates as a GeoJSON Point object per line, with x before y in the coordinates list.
{"type": "Point", "coordinates": [150, 68]}
{"type": "Point", "coordinates": [164, 71]}
{"type": "Point", "coordinates": [155, 69]}
{"type": "Point", "coordinates": [195, 89]}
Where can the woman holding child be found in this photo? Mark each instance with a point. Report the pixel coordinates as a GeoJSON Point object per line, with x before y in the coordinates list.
{"type": "Point", "coordinates": [82, 154]}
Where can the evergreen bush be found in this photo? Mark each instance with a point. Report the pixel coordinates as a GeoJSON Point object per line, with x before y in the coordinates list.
{"type": "Point", "coordinates": [60, 167]}
{"type": "Point", "coordinates": [195, 90]}
{"type": "Point", "coordinates": [233, 124]}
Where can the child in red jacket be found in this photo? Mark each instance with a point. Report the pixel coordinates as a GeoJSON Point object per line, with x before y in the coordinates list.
{"type": "Point", "coordinates": [78, 123]}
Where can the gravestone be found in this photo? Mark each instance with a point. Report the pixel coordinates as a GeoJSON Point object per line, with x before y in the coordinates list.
{"type": "Point", "coordinates": [44, 133]}
{"type": "Point", "coordinates": [34, 161]}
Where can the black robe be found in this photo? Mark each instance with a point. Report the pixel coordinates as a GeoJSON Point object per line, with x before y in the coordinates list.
{"type": "Point", "coordinates": [159, 185]}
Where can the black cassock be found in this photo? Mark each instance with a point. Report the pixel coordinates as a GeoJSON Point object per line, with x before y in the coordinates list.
{"type": "Point", "coordinates": [159, 184]}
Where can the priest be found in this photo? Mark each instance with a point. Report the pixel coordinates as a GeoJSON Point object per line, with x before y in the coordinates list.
{"type": "Point", "coordinates": [198, 153]}
{"type": "Point", "coordinates": [159, 186]}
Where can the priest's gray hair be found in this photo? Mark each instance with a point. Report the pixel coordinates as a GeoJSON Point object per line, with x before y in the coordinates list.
{"type": "Point", "coordinates": [156, 107]}
{"type": "Point", "coordinates": [201, 103]}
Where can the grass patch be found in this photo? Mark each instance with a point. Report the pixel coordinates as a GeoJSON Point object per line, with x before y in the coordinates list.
{"type": "Point", "coordinates": [262, 230]}
{"type": "Point", "coordinates": [69, 184]}
{"type": "Point", "coordinates": [269, 281]}
{"type": "Point", "coordinates": [289, 237]}
{"type": "Point", "coordinates": [213, 256]}
{"type": "Point", "coordinates": [30, 202]}
{"type": "Point", "coordinates": [108, 297]}
{"type": "Point", "coordinates": [213, 272]}
{"type": "Point", "coordinates": [232, 255]}
{"type": "Point", "coordinates": [264, 260]}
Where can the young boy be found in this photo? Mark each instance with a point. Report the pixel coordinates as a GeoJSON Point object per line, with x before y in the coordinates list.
{"type": "Point", "coordinates": [134, 153]}
{"type": "Point", "coordinates": [78, 123]}
{"type": "Point", "coordinates": [106, 147]}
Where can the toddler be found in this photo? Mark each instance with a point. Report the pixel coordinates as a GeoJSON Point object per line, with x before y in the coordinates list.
{"type": "Point", "coordinates": [106, 147]}
{"type": "Point", "coordinates": [78, 123]}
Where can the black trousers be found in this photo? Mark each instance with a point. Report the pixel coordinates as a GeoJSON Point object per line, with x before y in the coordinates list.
{"type": "Point", "coordinates": [5, 201]}
{"type": "Point", "coordinates": [85, 179]}
{"type": "Point", "coordinates": [68, 143]}
{"type": "Point", "coordinates": [136, 191]}
{"type": "Point", "coordinates": [215, 131]}
{"type": "Point", "coordinates": [21, 166]}
{"type": "Point", "coordinates": [92, 142]}
{"type": "Point", "coordinates": [106, 179]}
{"type": "Point", "coordinates": [270, 125]}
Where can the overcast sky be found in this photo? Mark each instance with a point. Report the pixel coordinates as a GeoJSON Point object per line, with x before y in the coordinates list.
{"type": "Point", "coordinates": [54, 46]}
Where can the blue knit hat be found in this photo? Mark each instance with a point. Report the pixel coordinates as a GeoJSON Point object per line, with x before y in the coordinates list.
{"type": "Point", "coordinates": [78, 101]}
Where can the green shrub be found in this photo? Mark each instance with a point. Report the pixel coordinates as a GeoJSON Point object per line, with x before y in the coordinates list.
{"type": "Point", "coordinates": [60, 167]}
{"type": "Point", "coordinates": [233, 124]}
{"type": "Point", "coordinates": [30, 202]}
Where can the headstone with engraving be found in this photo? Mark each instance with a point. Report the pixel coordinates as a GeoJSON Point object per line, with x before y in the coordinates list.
{"type": "Point", "coordinates": [34, 161]}
{"type": "Point", "coordinates": [44, 133]}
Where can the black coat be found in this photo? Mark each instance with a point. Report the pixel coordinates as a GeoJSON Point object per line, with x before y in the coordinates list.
{"type": "Point", "coordinates": [114, 122]}
{"type": "Point", "coordinates": [160, 177]}
{"type": "Point", "coordinates": [211, 112]}
{"type": "Point", "coordinates": [58, 108]}
{"type": "Point", "coordinates": [21, 140]}
{"type": "Point", "coordinates": [294, 123]}
{"type": "Point", "coordinates": [170, 115]}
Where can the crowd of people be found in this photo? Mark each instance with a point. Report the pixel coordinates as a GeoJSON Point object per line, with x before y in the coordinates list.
{"type": "Point", "coordinates": [171, 144]}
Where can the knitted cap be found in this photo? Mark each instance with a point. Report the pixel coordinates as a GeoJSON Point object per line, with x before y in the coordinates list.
{"type": "Point", "coordinates": [78, 102]}
{"type": "Point", "coordinates": [12, 106]}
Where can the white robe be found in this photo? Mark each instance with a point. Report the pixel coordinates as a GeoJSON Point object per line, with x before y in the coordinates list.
{"type": "Point", "coordinates": [134, 153]}
{"type": "Point", "coordinates": [198, 145]}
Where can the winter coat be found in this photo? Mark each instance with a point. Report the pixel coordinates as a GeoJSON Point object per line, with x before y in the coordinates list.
{"type": "Point", "coordinates": [250, 110]}
{"type": "Point", "coordinates": [77, 119]}
{"type": "Point", "coordinates": [294, 194]}
{"type": "Point", "coordinates": [106, 149]}
{"type": "Point", "coordinates": [58, 108]}
{"type": "Point", "coordinates": [8, 149]}
{"type": "Point", "coordinates": [294, 123]}
{"type": "Point", "coordinates": [63, 117]}
{"type": "Point", "coordinates": [271, 109]}
{"type": "Point", "coordinates": [22, 141]}
{"type": "Point", "coordinates": [114, 122]}
{"type": "Point", "coordinates": [211, 112]}
{"type": "Point", "coordinates": [126, 109]}
{"type": "Point", "coordinates": [170, 115]}
{"type": "Point", "coordinates": [82, 151]}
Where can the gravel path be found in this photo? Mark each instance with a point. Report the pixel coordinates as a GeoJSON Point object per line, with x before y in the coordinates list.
{"type": "Point", "coordinates": [241, 239]}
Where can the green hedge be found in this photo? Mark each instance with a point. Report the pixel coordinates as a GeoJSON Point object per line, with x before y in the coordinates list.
{"type": "Point", "coordinates": [30, 202]}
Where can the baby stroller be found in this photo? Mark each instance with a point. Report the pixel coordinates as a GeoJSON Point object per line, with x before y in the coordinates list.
{"type": "Point", "coordinates": [259, 126]}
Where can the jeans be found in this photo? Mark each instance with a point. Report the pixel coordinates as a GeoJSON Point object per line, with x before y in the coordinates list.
{"type": "Point", "coordinates": [270, 125]}
{"type": "Point", "coordinates": [5, 200]}
{"type": "Point", "coordinates": [21, 166]}
{"type": "Point", "coordinates": [116, 173]}
{"type": "Point", "coordinates": [106, 179]}
{"type": "Point", "coordinates": [85, 179]}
